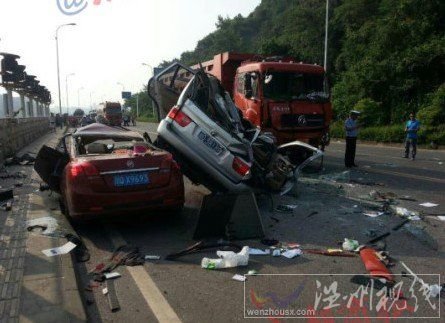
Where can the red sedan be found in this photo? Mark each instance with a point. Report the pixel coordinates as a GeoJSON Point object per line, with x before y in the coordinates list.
{"type": "Point", "coordinates": [110, 170]}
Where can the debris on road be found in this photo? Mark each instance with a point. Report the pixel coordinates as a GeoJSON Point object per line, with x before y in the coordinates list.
{"type": "Point", "coordinates": [276, 253]}
{"type": "Point", "coordinates": [428, 204]}
{"type": "Point", "coordinates": [373, 264]}
{"type": "Point", "coordinates": [350, 245]}
{"type": "Point", "coordinates": [66, 248]}
{"type": "Point", "coordinates": [258, 252]}
{"type": "Point", "coordinates": [112, 275]}
{"type": "Point", "coordinates": [202, 245]}
{"type": "Point", "coordinates": [240, 278]}
{"type": "Point", "coordinates": [228, 259]}
{"type": "Point", "coordinates": [330, 252]}
{"type": "Point", "coordinates": [291, 253]}
{"type": "Point", "coordinates": [113, 301]}
{"type": "Point", "coordinates": [47, 225]}
{"type": "Point", "coordinates": [105, 291]}
{"type": "Point", "coordinates": [373, 214]}
{"type": "Point", "coordinates": [152, 257]}
{"type": "Point", "coordinates": [252, 272]}
{"type": "Point", "coordinates": [124, 255]}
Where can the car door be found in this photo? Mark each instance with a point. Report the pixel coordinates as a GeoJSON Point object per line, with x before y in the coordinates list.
{"type": "Point", "coordinates": [165, 88]}
{"type": "Point", "coordinates": [50, 162]}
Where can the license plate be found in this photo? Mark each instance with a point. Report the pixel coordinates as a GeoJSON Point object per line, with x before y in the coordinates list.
{"type": "Point", "coordinates": [132, 179]}
{"type": "Point", "coordinates": [210, 142]}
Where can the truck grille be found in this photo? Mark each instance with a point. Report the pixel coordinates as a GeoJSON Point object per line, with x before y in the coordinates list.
{"type": "Point", "coordinates": [301, 120]}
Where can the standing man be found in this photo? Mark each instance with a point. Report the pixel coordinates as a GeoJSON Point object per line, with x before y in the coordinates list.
{"type": "Point", "coordinates": [411, 128]}
{"type": "Point", "coordinates": [351, 129]}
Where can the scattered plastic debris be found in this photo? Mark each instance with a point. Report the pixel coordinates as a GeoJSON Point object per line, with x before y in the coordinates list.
{"type": "Point", "coordinates": [228, 259]}
{"type": "Point", "coordinates": [441, 217]}
{"type": "Point", "coordinates": [276, 253]}
{"type": "Point", "coordinates": [66, 248]}
{"type": "Point", "coordinates": [428, 204]}
{"type": "Point", "coordinates": [291, 253]}
{"type": "Point", "coordinates": [105, 291]}
{"type": "Point", "coordinates": [112, 275]}
{"type": "Point", "coordinates": [252, 272]}
{"type": "Point", "coordinates": [152, 257]}
{"type": "Point", "coordinates": [412, 215]}
{"type": "Point", "coordinates": [350, 245]}
{"type": "Point", "coordinates": [258, 252]}
{"type": "Point", "coordinates": [240, 278]}
{"type": "Point", "coordinates": [373, 264]}
{"type": "Point", "coordinates": [373, 214]}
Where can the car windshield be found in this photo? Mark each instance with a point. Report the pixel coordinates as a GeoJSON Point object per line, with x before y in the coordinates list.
{"type": "Point", "coordinates": [296, 86]}
{"type": "Point", "coordinates": [93, 146]}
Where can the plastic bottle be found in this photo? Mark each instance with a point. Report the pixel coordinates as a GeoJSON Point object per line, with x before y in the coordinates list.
{"type": "Point", "coordinates": [228, 259]}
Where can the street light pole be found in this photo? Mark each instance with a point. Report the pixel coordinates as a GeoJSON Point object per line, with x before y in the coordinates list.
{"type": "Point", "coordinates": [58, 63]}
{"type": "Point", "coordinates": [326, 37]}
{"type": "Point", "coordinates": [152, 70]}
{"type": "Point", "coordinates": [78, 96]}
{"type": "Point", "coordinates": [67, 94]}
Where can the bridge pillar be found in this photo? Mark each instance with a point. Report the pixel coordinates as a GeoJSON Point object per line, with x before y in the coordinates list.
{"type": "Point", "coordinates": [10, 104]}
{"type": "Point", "coordinates": [5, 105]}
{"type": "Point", "coordinates": [31, 107]}
{"type": "Point", "coordinates": [22, 105]}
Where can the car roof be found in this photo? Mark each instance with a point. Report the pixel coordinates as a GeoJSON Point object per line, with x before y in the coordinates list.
{"type": "Point", "coordinates": [104, 131]}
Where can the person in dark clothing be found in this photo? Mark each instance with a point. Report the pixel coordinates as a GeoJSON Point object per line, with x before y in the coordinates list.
{"type": "Point", "coordinates": [351, 128]}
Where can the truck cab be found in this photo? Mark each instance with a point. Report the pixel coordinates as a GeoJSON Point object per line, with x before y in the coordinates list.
{"type": "Point", "coordinates": [289, 99]}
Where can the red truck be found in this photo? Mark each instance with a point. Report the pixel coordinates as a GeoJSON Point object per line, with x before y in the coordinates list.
{"type": "Point", "coordinates": [288, 98]}
{"type": "Point", "coordinates": [112, 112]}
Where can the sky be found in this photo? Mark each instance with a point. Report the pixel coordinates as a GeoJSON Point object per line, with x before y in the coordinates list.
{"type": "Point", "coordinates": [109, 43]}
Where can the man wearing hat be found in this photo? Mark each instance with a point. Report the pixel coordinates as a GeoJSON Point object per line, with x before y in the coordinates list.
{"type": "Point", "coordinates": [351, 128]}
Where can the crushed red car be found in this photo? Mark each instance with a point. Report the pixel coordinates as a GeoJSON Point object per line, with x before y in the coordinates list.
{"type": "Point", "coordinates": [110, 170]}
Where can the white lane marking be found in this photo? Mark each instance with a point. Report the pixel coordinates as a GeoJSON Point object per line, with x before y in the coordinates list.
{"type": "Point", "coordinates": [152, 295]}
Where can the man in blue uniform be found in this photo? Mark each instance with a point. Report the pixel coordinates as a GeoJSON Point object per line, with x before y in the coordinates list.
{"type": "Point", "coordinates": [411, 128]}
{"type": "Point", "coordinates": [351, 128]}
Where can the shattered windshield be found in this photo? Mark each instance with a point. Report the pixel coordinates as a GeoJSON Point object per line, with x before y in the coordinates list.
{"type": "Point", "coordinates": [296, 86]}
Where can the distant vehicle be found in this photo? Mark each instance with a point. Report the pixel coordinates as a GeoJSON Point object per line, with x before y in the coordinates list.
{"type": "Point", "coordinates": [213, 144]}
{"type": "Point", "coordinates": [101, 170]}
{"type": "Point", "coordinates": [112, 112]}
{"type": "Point", "coordinates": [288, 98]}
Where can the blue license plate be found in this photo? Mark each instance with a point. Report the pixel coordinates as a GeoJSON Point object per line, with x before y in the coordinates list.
{"type": "Point", "coordinates": [131, 179]}
{"type": "Point", "coordinates": [210, 142]}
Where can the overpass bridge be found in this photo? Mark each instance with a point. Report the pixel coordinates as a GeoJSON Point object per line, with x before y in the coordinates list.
{"type": "Point", "coordinates": [24, 106]}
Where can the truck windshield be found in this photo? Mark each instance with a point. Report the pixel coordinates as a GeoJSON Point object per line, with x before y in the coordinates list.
{"type": "Point", "coordinates": [296, 86]}
{"type": "Point", "coordinates": [113, 111]}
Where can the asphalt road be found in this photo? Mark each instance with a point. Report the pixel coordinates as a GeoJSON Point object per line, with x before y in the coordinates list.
{"type": "Point", "coordinates": [180, 290]}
